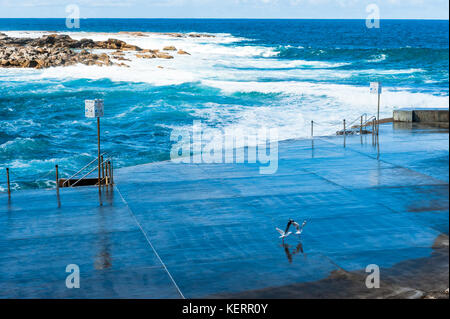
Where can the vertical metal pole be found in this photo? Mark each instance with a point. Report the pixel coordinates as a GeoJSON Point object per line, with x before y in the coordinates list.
{"type": "Point", "coordinates": [98, 144]}
{"type": "Point", "coordinates": [360, 127]}
{"type": "Point", "coordinates": [378, 114]}
{"type": "Point", "coordinates": [373, 131]}
{"type": "Point", "coordinates": [112, 173]}
{"type": "Point", "coordinates": [109, 173]}
{"type": "Point", "coordinates": [312, 128]}
{"type": "Point", "coordinates": [344, 128]}
{"type": "Point", "coordinates": [57, 180]}
{"type": "Point", "coordinates": [7, 180]}
{"type": "Point", "coordinates": [57, 186]}
{"type": "Point", "coordinates": [103, 168]}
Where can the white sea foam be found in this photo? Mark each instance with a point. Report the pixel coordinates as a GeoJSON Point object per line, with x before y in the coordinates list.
{"type": "Point", "coordinates": [350, 95]}
{"type": "Point", "coordinates": [224, 63]}
{"type": "Point", "coordinates": [7, 145]}
{"type": "Point", "coordinates": [326, 104]}
{"type": "Point", "coordinates": [377, 58]}
{"type": "Point", "coordinates": [277, 64]}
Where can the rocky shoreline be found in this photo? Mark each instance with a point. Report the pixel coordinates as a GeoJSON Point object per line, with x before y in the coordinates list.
{"type": "Point", "coordinates": [61, 50]}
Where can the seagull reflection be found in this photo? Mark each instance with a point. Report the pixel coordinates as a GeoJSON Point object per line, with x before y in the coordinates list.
{"type": "Point", "coordinates": [291, 253]}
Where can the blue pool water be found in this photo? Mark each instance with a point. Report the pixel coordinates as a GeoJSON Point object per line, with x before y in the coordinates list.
{"type": "Point", "coordinates": [254, 73]}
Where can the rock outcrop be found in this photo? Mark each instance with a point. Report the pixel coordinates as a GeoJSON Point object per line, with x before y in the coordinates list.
{"type": "Point", "coordinates": [44, 57]}
{"type": "Point", "coordinates": [188, 35]}
{"type": "Point", "coordinates": [170, 48]}
{"type": "Point", "coordinates": [171, 34]}
{"type": "Point", "coordinates": [136, 34]}
{"type": "Point", "coordinates": [153, 54]}
{"type": "Point", "coordinates": [61, 50]}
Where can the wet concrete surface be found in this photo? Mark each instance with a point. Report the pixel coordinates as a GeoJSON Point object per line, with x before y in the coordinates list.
{"type": "Point", "coordinates": [169, 230]}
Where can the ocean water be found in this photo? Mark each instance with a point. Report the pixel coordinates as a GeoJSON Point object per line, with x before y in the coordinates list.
{"type": "Point", "coordinates": [254, 73]}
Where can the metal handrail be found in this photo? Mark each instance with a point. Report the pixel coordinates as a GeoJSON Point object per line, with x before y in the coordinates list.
{"type": "Point", "coordinates": [82, 169]}
{"type": "Point", "coordinates": [87, 174]}
{"type": "Point", "coordinates": [350, 124]}
{"type": "Point", "coordinates": [353, 128]}
{"type": "Point", "coordinates": [370, 119]}
{"type": "Point", "coordinates": [359, 118]}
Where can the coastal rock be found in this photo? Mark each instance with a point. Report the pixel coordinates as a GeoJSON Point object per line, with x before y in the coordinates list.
{"type": "Point", "coordinates": [200, 35]}
{"type": "Point", "coordinates": [190, 35]}
{"type": "Point", "coordinates": [103, 59]}
{"type": "Point", "coordinates": [129, 47]}
{"type": "Point", "coordinates": [149, 51]}
{"type": "Point", "coordinates": [120, 58]}
{"type": "Point", "coordinates": [115, 45]}
{"type": "Point", "coordinates": [137, 34]}
{"type": "Point", "coordinates": [42, 57]}
{"type": "Point", "coordinates": [164, 55]}
{"type": "Point", "coordinates": [65, 41]}
{"type": "Point", "coordinates": [175, 35]}
{"type": "Point", "coordinates": [146, 56]}
{"type": "Point", "coordinates": [53, 40]}
{"type": "Point", "coordinates": [86, 44]}
{"type": "Point", "coordinates": [61, 50]}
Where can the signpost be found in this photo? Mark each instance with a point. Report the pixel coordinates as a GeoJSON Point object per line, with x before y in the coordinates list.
{"type": "Point", "coordinates": [375, 88]}
{"type": "Point", "coordinates": [92, 109]}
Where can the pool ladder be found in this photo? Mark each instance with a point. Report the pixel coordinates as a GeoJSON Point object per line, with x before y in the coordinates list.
{"type": "Point", "coordinates": [83, 177]}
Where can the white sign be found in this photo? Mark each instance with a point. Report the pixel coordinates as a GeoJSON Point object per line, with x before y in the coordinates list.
{"type": "Point", "coordinates": [375, 87]}
{"type": "Point", "coordinates": [93, 108]}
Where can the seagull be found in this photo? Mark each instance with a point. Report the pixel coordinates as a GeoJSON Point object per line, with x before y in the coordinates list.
{"type": "Point", "coordinates": [282, 233]}
{"type": "Point", "coordinates": [298, 227]}
{"type": "Point", "coordinates": [286, 232]}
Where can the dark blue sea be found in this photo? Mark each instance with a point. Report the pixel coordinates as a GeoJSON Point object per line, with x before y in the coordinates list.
{"type": "Point", "coordinates": [253, 73]}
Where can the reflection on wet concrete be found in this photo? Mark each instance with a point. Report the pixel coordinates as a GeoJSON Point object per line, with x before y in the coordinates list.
{"type": "Point", "coordinates": [292, 252]}
{"type": "Point", "coordinates": [415, 278]}
{"type": "Point", "coordinates": [103, 259]}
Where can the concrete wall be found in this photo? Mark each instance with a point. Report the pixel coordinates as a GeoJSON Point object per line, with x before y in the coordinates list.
{"type": "Point", "coordinates": [421, 116]}
{"type": "Point", "coordinates": [403, 116]}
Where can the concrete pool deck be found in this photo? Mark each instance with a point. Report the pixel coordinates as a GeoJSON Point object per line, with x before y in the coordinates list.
{"type": "Point", "coordinates": [171, 230]}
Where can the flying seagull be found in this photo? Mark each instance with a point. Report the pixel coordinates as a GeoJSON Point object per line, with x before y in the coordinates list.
{"type": "Point", "coordinates": [282, 233]}
{"type": "Point", "coordinates": [286, 232]}
{"type": "Point", "coordinates": [298, 227]}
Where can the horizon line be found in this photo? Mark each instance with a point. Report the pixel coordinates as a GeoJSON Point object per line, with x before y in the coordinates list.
{"type": "Point", "coordinates": [85, 18]}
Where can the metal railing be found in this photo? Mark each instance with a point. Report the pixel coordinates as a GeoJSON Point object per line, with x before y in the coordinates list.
{"type": "Point", "coordinates": [103, 163]}
{"type": "Point", "coordinates": [353, 128]}
{"type": "Point", "coordinates": [105, 171]}
{"type": "Point", "coordinates": [83, 168]}
{"type": "Point", "coordinates": [106, 176]}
